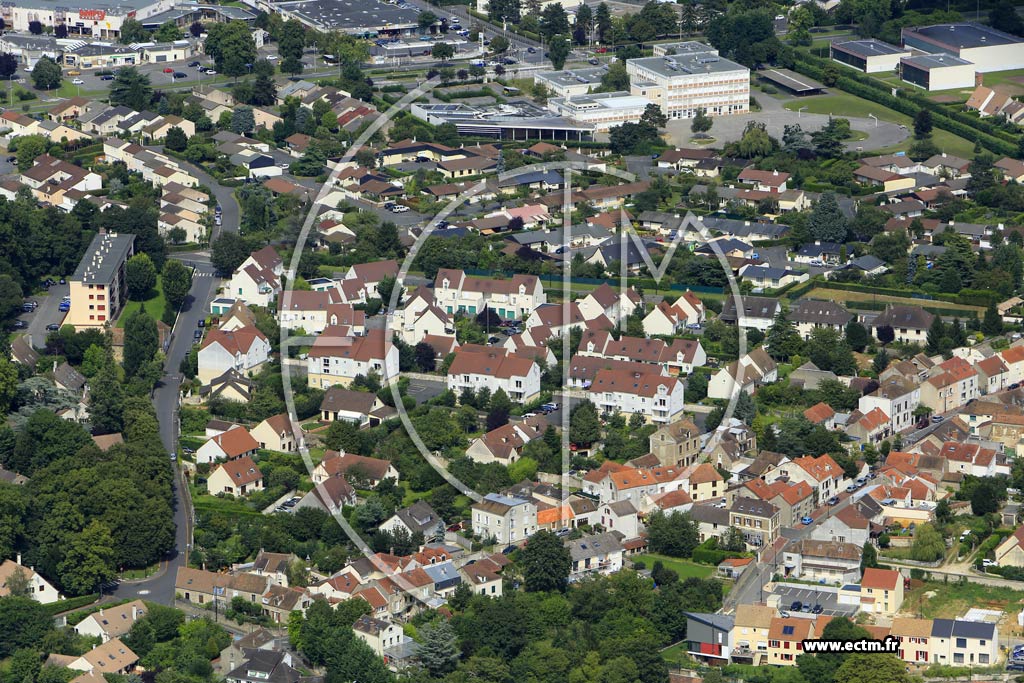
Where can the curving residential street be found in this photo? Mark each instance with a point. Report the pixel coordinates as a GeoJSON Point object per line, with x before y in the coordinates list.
{"type": "Point", "coordinates": [160, 587]}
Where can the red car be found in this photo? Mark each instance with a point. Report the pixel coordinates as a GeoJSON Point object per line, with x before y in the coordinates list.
{"type": "Point", "coordinates": [168, 70]}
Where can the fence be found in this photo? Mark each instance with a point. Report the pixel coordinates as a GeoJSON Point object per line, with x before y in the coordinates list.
{"type": "Point", "coordinates": [644, 283]}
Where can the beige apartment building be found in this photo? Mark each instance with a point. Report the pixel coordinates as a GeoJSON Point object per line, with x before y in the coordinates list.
{"type": "Point", "coordinates": [98, 290]}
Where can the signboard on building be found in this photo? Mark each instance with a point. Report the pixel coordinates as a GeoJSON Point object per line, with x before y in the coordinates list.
{"type": "Point", "coordinates": [92, 14]}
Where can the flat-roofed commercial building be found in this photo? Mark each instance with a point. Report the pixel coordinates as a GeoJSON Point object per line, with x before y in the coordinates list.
{"type": "Point", "coordinates": [96, 18]}
{"type": "Point", "coordinates": [571, 82]}
{"type": "Point", "coordinates": [364, 18]}
{"type": "Point", "coordinates": [97, 289]}
{"type": "Point", "coordinates": [870, 56]}
{"type": "Point", "coordinates": [937, 72]}
{"type": "Point", "coordinates": [683, 83]}
{"type": "Point", "coordinates": [603, 111]}
{"type": "Point", "coordinates": [987, 48]}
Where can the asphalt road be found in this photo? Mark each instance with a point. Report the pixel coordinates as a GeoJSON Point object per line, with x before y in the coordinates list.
{"type": "Point", "coordinates": [160, 588]}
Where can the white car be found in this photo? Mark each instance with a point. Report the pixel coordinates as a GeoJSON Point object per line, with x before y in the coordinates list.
{"type": "Point", "coordinates": [271, 58]}
{"type": "Point", "coordinates": [78, 81]}
{"type": "Point", "coordinates": [989, 563]}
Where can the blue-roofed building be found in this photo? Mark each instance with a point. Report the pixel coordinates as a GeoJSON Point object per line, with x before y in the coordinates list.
{"type": "Point", "coordinates": [445, 576]}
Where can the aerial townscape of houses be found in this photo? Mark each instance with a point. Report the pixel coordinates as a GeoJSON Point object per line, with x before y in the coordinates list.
{"type": "Point", "coordinates": [778, 364]}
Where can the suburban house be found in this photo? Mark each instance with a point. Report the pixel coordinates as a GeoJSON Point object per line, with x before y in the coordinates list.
{"type": "Point", "coordinates": [668, 319]}
{"type": "Point", "coordinates": [476, 367]}
{"type": "Point", "coordinates": [676, 444]}
{"type": "Point", "coordinates": [338, 358]}
{"type": "Point", "coordinates": [238, 477]}
{"type": "Point", "coordinates": [358, 468]}
{"type": "Point", "coordinates": [809, 315]}
{"type": "Point", "coordinates": [743, 375]}
{"type": "Point", "coordinates": [112, 622]}
{"type": "Point", "coordinates": [517, 297]}
{"type": "Point", "coordinates": [505, 519]}
{"type": "Point", "coordinates": [909, 324]}
{"type": "Point", "coordinates": [417, 518]}
{"type": "Point", "coordinates": [244, 350]}
{"type": "Point", "coordinates": [657, 398]}
{"type": "Point", "coordinates": [505, 444]}
{"type": "Point", "coordinates": [39, 589]}
{"type": "Point", "coordinates": [952, 385]}
{"type": "Point", "coordinates": [278, 433]}
{"type": "Point", "coordinates": [594, 554]}
{"type": "Point", "coordinates": [231, 444]}
{"type": "Point", "coordinates": [362, 407]}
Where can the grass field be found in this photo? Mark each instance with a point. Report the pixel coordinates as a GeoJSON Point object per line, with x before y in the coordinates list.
{"type": "Point", "coordinates": [937, 600]}
{"type": "Point", "coordinates": [206, 502]}
{"type": "Point", "coordinates": [684, 568]}
{"type": "Point", "coordinates": [845, 104]}
{"type": "Point", "coordinates": [154, 305]}
{"type": "Point", "coordinates": [842, 296]}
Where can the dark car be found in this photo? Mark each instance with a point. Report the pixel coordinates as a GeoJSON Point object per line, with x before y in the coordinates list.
{"type": "Point", "coordinates": [594, 60]}
{"type": "Point", "coordinates": [180, 74]}
{"type": "Point", "coordinates": [834, 500]}
{"type": "Point", "coordinates": [817, 609]}
{"type": "Point", "coordinates": [107, 77]}
{"type": "Point", "coordinates": [202, 322]}
{"type": "Point", "coordinates": [53, 327]}
{"type": "Point", "coordinates": [197, 335]}
{"type": "Point", "coordinates": [795, 607]}
{"type": "Point", "coordinates": [1015, 667]}
{"type": "Point", "coordinates": [193, 64]}
{"type": "Point", "coordinates": [531, 50]}
{"type": "Point", "coordinates": [20, 324]}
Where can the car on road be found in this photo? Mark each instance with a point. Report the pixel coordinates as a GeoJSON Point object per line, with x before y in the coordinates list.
{"type": "Point", "coordinates": [271, 58]}
{"type": "Point", "coordinates": [174, 456]}
{"type": "Point", "coordinates": [806, 520]}
{"type": "Point", "coordinates": [202, 322]}
{"type": "Point", "coordinates": [197, 335]}
{"type": "Point", "coordinates": [532, 50]}
{"type": "Point", "coordinates": [594, 60]}
{"type": "Point", "coordinates": [53, 327]}
{"type": "Point", "coordinates": [77, 81]}
{"type": "Point", "coordinates": [107, 77]}
{"type": "Point", "coordinates": [74, 72]}
{"type": "Point", "coordinates": [834, 500]}
{"type": "Point", "coordinates": [550, 407]}
{"type": "Point", "coordinates": [1015, 667]}
{"type": "Point", "coordinates": [168, 70]}
{"type": "Point", "coordinates": [795, 607]}
{"type": "Point", "coordinates": [64, 307]}
{"type": "Point", "coordinates": [851, 488]}
{"type": "Point", "coordinates": [937, 419]}
{"type": "Point", "coordinates": [693, 326]}
{"type": "Point", "coordinates": [28, 306]}
{"type": "Point", "coordinates": [179, 74]}
{"type": "Point", "coordinates": [193, 64]}
{"type": "Point", "coordinates": [399, 208]}
{"type": "Point", "coordinates": [20, 324]}
{"type": "Point", "coordinates": [210, 72]}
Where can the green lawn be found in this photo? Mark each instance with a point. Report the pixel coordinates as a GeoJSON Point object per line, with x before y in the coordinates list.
{"type": "Point", "coordinates": [684, 568]}
{"type": "Point", "coordinates": [225, 506]}
{"type": "Point", "coordinates": [154, 305]}
{"type": "Point", "coordinates": [845, 104]}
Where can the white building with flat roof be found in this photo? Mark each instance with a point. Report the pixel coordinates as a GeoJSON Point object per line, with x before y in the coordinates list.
{"type": "Point", "coordinates": [571, 82]}
{"type": "Point", "coordinates": [683, 83]}
{"type": "Point", "coordinates": [603, 111]}
{"type": "Point", "coordinates": [938, 72]}
{"type": "Point", "coordinates": [987, 48]}
{"type": "Point", "coordinates": [870, 56]}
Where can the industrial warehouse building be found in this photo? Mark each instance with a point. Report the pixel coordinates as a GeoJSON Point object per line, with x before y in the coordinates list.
{"type": "Point", "coordinates": [988, 49]}
{"type": "Point", "coordinates": [870, 56]}
{"type": "Point", "coordinates": [938, 72]}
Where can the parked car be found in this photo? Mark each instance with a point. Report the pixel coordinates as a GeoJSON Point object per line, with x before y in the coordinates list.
{"type": "Point", "coordinates": [937, 419]}
{"type": "Point", "coordinates": [202, 322]}
{"type": "Point", "coordinates": [806, 607]}
{"type": "Point", "coordinates": [168, 70]}
{"type": "Point", "coordinates": [989, 563]}
{"type": "Point", "coordinates": [64, 307]}
{"type": "Point", "coordinates": [399, 208]}
{"type": "Point", "coordinates": [210, 72]}
{"type": "Point", "coordinates": [53, 327]}
{"type": "Point", "coordinates": [851, 488]}
{"type": "Point", "coordinates": [834, 500]}
{"type": "Point", "coordinates": [193, 64]}
{"type": "Point", "coordinates": [179, 74]}
{"type": "Point", "coordinates": [107, 77]}
{"type": "Point", "coordinates": [197, 335]}
{"type": "Point", "coordinates": [532, 50]}
{"type": "Point", "coordinates": [795, 607]}
{"type": "Point", "coordinates": [74, 72]}
{"type": "Point", "coordinates": [806, 520]}
{"type": "Point", "coordinates": [817, 609]}
{"type": "Point", "coordinates": [20, 324]}
{"type": "Point", "coordinates": [77, 81]}
{"type": "Point", "coordinates": [594, 60]}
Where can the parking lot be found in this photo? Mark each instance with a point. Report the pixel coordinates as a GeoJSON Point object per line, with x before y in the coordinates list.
{"type": "Point", "coordinates": [828, 601]}
{"type": "Point", "coordinates": [47, 313]}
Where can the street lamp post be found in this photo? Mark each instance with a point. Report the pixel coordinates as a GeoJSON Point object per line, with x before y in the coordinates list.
{"type": "Point", "coordinates": [875, 118]}
{"type": "Point", "coordinates": [800, 111]}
